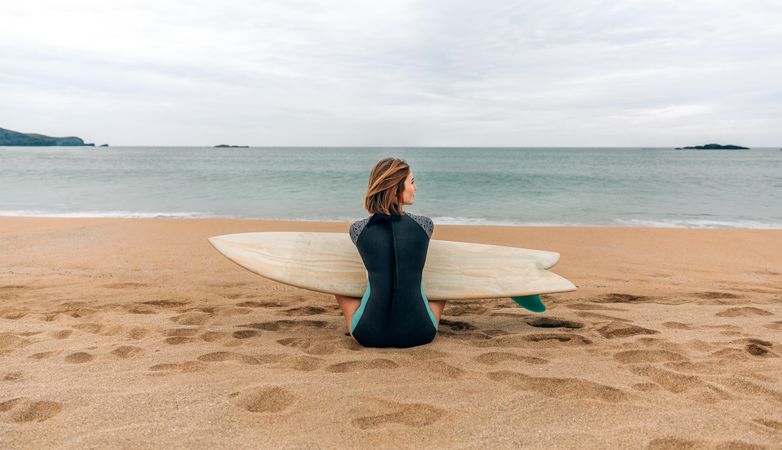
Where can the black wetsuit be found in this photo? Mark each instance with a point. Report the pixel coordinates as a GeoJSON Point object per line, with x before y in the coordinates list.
{"type": "Point", "coordinates": [394, 310]}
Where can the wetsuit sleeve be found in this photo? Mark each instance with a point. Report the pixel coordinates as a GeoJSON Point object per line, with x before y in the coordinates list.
{"type": "Point", "coordinates": [356, 228]}
{"type": "Point", "coordinates": [426, 223]}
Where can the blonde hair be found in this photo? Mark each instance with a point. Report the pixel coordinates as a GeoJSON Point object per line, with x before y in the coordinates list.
{"type": "Point", "coordinates": [386, 184]}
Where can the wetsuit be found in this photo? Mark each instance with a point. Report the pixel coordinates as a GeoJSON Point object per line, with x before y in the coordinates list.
{"type": "Point", "coordinates": [394, 310]}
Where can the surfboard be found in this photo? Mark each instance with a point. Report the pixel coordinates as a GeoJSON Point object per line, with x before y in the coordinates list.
{"type": "Point", "coordinates": [330, 263]}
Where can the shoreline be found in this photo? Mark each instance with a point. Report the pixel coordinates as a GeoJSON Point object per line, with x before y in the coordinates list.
{"type": "Point", "coordinates": [438, 221]}
{"type": "Point", "coordinates": [138, 331]}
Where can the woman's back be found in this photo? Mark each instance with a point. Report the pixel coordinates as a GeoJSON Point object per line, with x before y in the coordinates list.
{"type": "Point", "coordinates": [394, 311]}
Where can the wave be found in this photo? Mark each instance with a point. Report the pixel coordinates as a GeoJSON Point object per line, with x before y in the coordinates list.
{"type": "Point", "coordinates": [112, 214]}
{"type": "Point", "coordinates": [698, 223]}
{"type": "Point", "coordinates": [444, 220]}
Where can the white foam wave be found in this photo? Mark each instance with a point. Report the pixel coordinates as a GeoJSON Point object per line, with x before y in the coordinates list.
{"type": "Point", "coordinates": [109, 214]}
{"type": "Point", "coordinates": [697, 223]}
{"type": "Point", "coordinates": [444, 220]}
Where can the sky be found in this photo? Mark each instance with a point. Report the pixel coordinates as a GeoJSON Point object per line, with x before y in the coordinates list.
{"type": "Point", "coordinates": [398, 73]}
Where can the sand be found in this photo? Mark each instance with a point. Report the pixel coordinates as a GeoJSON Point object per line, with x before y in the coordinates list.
{"type": "Point", "coordinates": [136, 333]}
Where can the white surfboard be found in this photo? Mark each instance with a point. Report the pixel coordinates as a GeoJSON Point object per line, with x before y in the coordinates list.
{"type": "Point", "coordinates": [330, 263]}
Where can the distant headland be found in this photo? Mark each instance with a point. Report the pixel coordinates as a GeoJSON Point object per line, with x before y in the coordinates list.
{"type": "Point", "coordinates": [714, 147]}
{"type": "Point", "coordinates": [11, 138]}
{"type": "Point", "coordinates": [231, 146]}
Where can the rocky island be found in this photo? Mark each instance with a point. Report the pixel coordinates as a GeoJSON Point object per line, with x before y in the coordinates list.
{"type": "Point", "coordinates": [231, 146]}
{"type": "Point", "coordinates": [11, 138]}
{"type": "Point", "coordinates": [714, 147]}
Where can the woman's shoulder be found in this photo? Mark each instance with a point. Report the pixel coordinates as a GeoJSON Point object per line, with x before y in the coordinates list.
{"type": "Point", "coordinates": [425, 223]}
{"type": "Point", "coordinates": [357, 227]}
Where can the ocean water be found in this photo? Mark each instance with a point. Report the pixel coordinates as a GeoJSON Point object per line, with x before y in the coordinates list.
{"type": "Point", "coordinates": [647, 187]}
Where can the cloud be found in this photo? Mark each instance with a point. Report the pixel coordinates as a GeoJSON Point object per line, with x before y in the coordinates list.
{"type": "Point", "coordinates": [395, 73]}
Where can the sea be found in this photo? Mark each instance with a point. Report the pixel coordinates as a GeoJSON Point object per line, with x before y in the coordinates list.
{"type": "Point", "coordinates": [607, 187]}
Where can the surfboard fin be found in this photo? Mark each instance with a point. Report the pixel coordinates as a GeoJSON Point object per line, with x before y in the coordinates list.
{"type": "Point", "coordinates": [530, 302]}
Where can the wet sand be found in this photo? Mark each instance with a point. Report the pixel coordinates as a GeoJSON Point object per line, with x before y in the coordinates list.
{"type": "Point", "coordinates": [137, 333]}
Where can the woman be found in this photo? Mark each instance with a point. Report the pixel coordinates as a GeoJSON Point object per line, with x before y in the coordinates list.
{"type": "Point", "coordinates": [394, 311]}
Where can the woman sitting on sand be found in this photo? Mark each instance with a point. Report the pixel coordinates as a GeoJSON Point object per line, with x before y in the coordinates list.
{"type": "Point", "coordinates": [394, 311]}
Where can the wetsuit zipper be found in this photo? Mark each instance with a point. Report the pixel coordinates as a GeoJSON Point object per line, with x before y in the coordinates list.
{"type": "Point", "coordinates": [396, 267]}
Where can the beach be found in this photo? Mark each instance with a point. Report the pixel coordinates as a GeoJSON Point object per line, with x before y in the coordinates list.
{"type": "Point", "coordinates": [123, 332]}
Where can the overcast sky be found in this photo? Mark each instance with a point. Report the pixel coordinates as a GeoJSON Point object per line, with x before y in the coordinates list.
{"type": "Point", "coordinates": [395, 73]}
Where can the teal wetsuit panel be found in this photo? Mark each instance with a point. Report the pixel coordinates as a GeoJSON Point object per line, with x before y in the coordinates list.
{"type": "Point", "coordinates": [428, 309]}
{"type": "Point", "coordinates": [360, 311]}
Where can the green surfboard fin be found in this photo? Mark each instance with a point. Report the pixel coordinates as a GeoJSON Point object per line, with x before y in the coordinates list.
{"type": "Point", "coordinates": [530, 302]}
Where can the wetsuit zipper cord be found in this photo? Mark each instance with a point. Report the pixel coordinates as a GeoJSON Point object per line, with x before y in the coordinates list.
{"type": "Point", "coordinates": [396, 268]}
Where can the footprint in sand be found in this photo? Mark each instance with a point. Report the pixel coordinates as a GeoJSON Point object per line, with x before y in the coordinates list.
{"type": "Point", "coordinates": [464, 309]}
{"type": "Point", "coordinates": [731, 354]}
{"type": "Point", "coordinates": [301, 363]}
{"type": "Point", "coordinates": [359, 365]}
{"type": "Point", "coordinates": [647, 356]}
{"type": "Point", "coordinates": [677, 325]}
{"type": "Point", "coordinates": [557, 337]}
{"type": "Point", "coordinates": [184, 366]}
{"type": "Point", "coordinates": [177, 340]}
{"type": "Point", "coordinates": [494, 358]}
{"type": "Point", "coordinates": [25, 410]}
{"type": "Point", "coordinates": [140, 308]}
{"type": "Point", "coordinates": [181, 332]}
{"type": "Point", "coordinates": [61, 334]}
{"type": "Point", "coordinates": [267, 399]}
{"type": "Point", "coordinates": [212, 336]}
{"type": "Point", "coordinates": [771, 424]}
{"type": "Point", "coordinates": [646, 387]}
{"type": "Point", "coordinates": [620, 329]}
{"type": "Point", "coordinates": [455, 325]}
{"type": "Point", "coordinates": [92, 328]}
{"type": "Point", "coordinates": [13, 376]}
{"type": "Point", "coordinates": [261, 304]}
{"type": "Point", "coordinates": [192, 318]}
{"type": "Point", "coordinates": [601, 317]}
{"type": "Point", "coordinates": [126, 351]}
{"type": "Point", "coordinates": [747, 387]}
{"type": "Point", "coordinates": [10, 341]}
{"type": "Point", "coordinates": [319, 346]}
{"type": "Point", "coordinates": [712, 295]}
{"type": "Point", "coordinates": [98, 329]}
{"type": "Point", "coordinates": [235, 295]}
{"type": "Point", "coordinates": [757, 347]}
{"type": "Point", "coordinates": [591, 307]}
{"type": "Point", "coordinates": [239, 357]}
{"type": "Point", "coordinates": [42, 355]}
{"type": "Point", "coordinates": [303, 311]}
{"type": "Point", "coordinates": [622, 298]}
{"type": "Point", "coordinates": [245, 334]}
{"type": "Point", "coordinates": [79, 357]}
{"type": "Point", "coordinates": [420, 353]}
{"type": "Point", "coordinates": [675, 382]}
{"type": "Point", "coordinates": [672, 443]}
{"type": "Point", "coordinates": [171, 304]}
{"type": "Point", "coordinates": [441, 368]}
{"type": "Point", "coordinates": [744, 311]}
{"type": "Point", "coordinates": [573, 388]}
{"type": "Point", "coordinates": [415, 415]}
{"type": "Point", "coordinates": [13, 314]}
{"type": "Point", "coordinates": [233, 311]}
{"type": "Point", "coordinates": [137, 333]}
{"type": "Point", "coordinates": [534, 340]}
{"type": "Point", "coordinates": [286, 325]}
{"type": "Point", "coordinates": [554, 322]}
